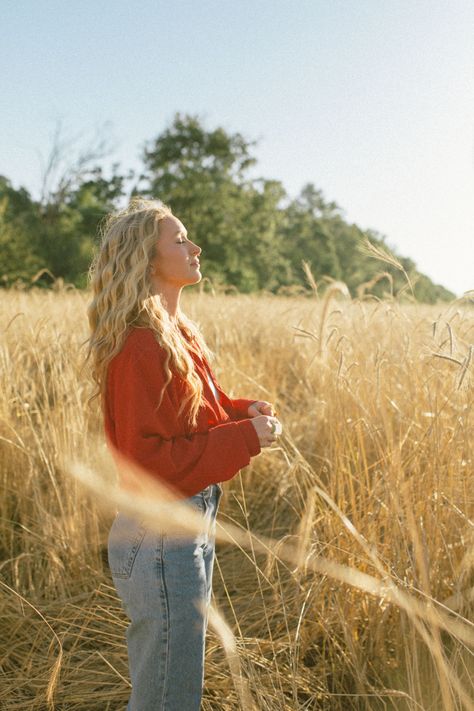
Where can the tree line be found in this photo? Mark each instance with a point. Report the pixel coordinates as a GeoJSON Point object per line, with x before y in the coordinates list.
{"type": "Point", "coordinates": [254, 237]}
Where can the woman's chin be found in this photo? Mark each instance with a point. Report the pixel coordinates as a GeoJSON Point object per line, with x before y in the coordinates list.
{"type": "Point", "coordinates": [197, 277]}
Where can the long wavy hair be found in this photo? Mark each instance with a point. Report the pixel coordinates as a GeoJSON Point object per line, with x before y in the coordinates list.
{"type": "Point", "coordinates": [119, 276]}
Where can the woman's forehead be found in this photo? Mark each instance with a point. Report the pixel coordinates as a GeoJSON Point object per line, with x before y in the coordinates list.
{"type": "Point", "coordinates": [171, 226]}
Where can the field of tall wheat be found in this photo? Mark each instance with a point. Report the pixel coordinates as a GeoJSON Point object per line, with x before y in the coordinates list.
{"type": "Point", "coordinates": [351, 583]}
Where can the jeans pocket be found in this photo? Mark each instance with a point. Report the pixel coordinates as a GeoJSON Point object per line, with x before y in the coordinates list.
{"type": "Point", "coordinates": [125, 537]}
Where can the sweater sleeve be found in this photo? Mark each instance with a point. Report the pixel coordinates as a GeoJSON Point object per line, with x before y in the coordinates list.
{"type": "Point", "coordinates": [237, 409]}
{"type": "Point", "coordinates": [144, 433]}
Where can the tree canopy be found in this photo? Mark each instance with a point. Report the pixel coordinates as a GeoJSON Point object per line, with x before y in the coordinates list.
{"type": "Point", "coordinates": [253, 236]}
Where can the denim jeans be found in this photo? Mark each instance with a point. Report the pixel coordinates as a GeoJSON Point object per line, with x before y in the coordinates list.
{"type": "Point", "coordinates": [159, 577]}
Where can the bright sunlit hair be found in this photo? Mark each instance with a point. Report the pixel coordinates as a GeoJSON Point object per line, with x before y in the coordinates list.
{"type": "Point", "coordinates": [122, 297]}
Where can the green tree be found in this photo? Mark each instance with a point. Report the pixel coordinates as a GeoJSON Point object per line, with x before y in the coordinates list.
{"type": "Point", "coordinates": [307, 236]}
{"type": "Point", "coordinates": [69, 223]}
{"type": "Point", "coordinates": [202, 175]}
{"type": "Point", "coordinates": [252, 235]}
{"type": "Point", "coordinates": [20, 226]}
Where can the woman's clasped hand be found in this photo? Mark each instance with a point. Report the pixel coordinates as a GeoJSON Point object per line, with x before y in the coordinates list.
{"type": "Point", "coordinates": [267, 426]}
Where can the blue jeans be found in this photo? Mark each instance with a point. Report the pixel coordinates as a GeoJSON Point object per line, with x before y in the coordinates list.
{"type": "Point", "coordinates": [159, 577]}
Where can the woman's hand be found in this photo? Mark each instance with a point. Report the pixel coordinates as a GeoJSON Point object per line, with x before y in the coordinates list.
{"type": "Point", "coordinates": [260, 407]}
{"type": "Point", "coordinates": [264, 420]}
{"type": "Point", "coordinates": [264, 427]}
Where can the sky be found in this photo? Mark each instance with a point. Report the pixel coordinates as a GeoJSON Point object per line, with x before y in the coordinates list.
{"type": "Point", "coordinates": [370, 100]}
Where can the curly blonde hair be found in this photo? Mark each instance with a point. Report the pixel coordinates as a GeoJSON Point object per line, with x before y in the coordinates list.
{"type": "Point", "coordinates": [122, 298]}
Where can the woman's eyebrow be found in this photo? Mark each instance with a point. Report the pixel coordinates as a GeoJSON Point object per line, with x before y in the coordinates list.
{"type": "Point", "coordinates": [180, 232]}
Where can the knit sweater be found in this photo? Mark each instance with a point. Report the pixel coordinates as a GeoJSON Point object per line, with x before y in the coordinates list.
{"type": "Point", "coordinates": [222, 443]}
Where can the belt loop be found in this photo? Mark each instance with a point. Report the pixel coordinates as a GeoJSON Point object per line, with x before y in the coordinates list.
{"type": "Point", "coordinates": [207, 493]}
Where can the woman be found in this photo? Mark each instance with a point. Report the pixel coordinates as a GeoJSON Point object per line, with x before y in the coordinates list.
{"type": "Point", "coordinates": [164, 411]}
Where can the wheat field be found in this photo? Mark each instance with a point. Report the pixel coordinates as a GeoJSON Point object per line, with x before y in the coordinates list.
{"type": "Point", "coordinates": [352, 584]}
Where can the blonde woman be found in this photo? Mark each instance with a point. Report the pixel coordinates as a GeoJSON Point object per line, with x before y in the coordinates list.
{"type": "Point", "coordinates": [163, 410]}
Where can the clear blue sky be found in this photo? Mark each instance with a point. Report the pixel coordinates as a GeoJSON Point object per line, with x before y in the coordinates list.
{"type": "Point", "coordinates": [371, 100]}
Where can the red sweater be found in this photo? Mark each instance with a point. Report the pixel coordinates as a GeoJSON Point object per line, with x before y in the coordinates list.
{"type": "Point", "coordinates": [224, 439]}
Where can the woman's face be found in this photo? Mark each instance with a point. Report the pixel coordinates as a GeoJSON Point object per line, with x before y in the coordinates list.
{"type": "Point", "coordinates": [176, 261]}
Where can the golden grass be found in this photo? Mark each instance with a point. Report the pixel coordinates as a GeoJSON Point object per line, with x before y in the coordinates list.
{"type": "Point", "coordinates": [349, 581]}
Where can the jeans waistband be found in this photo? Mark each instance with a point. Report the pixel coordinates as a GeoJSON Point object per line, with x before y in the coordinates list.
{"type": "Point", "coordinates": [210, 487]}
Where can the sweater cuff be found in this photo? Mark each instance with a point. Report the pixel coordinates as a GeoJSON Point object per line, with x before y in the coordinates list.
{"type": "Point", "coordinates": [241, 406]}
{"type": "Point", "coordinates": [251, 437]}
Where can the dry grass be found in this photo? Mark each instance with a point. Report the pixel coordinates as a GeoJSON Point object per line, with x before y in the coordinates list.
{"type": "Point", "coordinates": [355, 590]}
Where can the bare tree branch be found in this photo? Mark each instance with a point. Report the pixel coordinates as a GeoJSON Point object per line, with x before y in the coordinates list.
{"type": "Point", "coordinates": [67, 163]}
